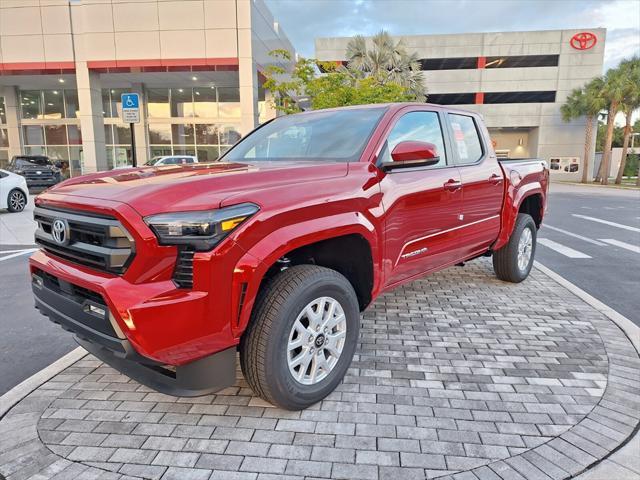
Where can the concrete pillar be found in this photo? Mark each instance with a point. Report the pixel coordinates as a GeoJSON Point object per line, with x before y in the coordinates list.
{"type": "Point", "coordinates": [247, 69]}
{"type": "Point", "coordinates": [91, 119]}
{"type": "Point", "coordinates": [12, 112]}
{"type": "Point", "coordinates": [140, 129]}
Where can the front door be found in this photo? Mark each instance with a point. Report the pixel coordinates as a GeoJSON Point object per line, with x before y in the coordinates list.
{"type": "Point", "coordinates": [422, 204]}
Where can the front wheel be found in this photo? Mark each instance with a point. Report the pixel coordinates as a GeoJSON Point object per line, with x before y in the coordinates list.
{"type": "Point", "coordinates": [301, 337]}
{"type": "Point", "coordinates": [513, 262]}
{"type": "Point", "coordinates": [16, 201]}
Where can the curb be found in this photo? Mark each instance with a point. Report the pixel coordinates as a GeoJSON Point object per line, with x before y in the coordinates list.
{"type": "Point", "coordinates": [607, 187]}
{"type": "Point", "coordinates": [17, 393]}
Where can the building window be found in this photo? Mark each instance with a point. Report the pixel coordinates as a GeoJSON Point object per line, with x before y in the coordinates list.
{"type": "Point", "coordinates": [111, 105]}
{"type": "Point", "coordinates": [522, 61]}
{"type": "Point", "coordinates": [3, 112]}
{"type": "Point", "coordinates": [520, 97]}
{"type": "Point", "coordinates": [117, 139]}
{"type": "Point", "coordinates": [48, 104]}
{"type": "Point", "coordinates": [461, 63]}
{"type": "Point", "coordinates": [451, 98]}
{"type": "Point", "coordinates": [4, 136]}
{"type": "Point", "coordinates": [207, 141]}
{"type": "Point", "coordinates": [61, 143]}
{"type": "Point", "coordinates": [158, 103]}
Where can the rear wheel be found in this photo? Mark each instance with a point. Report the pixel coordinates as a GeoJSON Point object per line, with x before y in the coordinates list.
{"type": "Point", "coordinates": [16, 201]}
{"type": "Point", "coordinates": [301, 337]}
{"type": "Point", "coordinates": [513, 262]}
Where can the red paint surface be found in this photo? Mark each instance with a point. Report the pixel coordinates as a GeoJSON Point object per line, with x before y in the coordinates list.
{"type": "Point", "coordinates": [482, 61]}
{"type": "Point", "coordinates": [448, 214]}
{"type": "Point", "coordinates": [479, 97]}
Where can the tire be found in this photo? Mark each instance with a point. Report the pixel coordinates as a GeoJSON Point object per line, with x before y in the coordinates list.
{"type": "Point", "coordinates": [506, 260]}
{"type": "Point", "coordinates": [266, 348]}
{"type": "Point", "coordinates": [16, 201]}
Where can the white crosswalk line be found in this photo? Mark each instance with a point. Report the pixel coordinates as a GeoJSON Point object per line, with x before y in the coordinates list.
{"type": "Point", "coordinates": [607, 222]}
{"type": "Point", "coordinates": [22, 252]}
{"type": "Point", "coordinates": [558, 247]}
{"type": "Point", "coordinates": [618, 243]}
{"type": "Point", "coordinates": [574, 235]}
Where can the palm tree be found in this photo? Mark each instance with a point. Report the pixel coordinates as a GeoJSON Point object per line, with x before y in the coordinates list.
{"type": "Point", "coordinates": [614, 91]}
{"type": "Point", "coordinates": [386, 61]}
{"type": "Point", "coordinates": [586, 101]}
{"type": "Point", "coordinates": [631, 72]}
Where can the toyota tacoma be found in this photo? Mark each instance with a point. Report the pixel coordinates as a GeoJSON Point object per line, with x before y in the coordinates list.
{"type": "Point", "coordinates": [167, 273]}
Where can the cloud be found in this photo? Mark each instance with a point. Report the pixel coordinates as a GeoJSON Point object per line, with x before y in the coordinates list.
{"type": "Point", "coordinates": [305, 20]}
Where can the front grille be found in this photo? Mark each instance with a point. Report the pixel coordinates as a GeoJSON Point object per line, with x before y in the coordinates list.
{"type": "Point", "coordinates": [96, 241]}
{"type": "Point", "coordinates": [183, 273]}
{"type": "Point", "coordinates": [34, 175]}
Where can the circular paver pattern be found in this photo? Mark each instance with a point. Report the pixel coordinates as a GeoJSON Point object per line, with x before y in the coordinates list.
{"type": "Point", "coordinates": [457, 372]}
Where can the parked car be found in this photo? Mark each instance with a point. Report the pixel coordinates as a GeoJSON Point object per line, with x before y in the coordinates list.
{"type": "Point", "coordinates": [275, 250]}
{"type": "Point", "coordinates": [38, 170]}
{"type": "Point", "coordinates": [172, 160]}
{"type": "Point", "coordinates": [14, 193]}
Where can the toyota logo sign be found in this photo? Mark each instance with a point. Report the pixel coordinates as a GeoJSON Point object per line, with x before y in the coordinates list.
{"type": "Point", "coordinates": [583, 41]}
{"type": "Point", "coordinates": [60, 231]}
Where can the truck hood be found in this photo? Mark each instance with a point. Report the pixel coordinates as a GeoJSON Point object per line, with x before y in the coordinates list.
{"type": "Point", "coordinates": [175, 188]}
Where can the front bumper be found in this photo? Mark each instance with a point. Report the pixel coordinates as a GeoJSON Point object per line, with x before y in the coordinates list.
{"type": "Point", "coordinates": [86, 311]}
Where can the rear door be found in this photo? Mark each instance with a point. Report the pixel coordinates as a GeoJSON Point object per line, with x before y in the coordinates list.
{"type": "Point", "coordinates": [421, 204]}
{"type": "Point", "coordinates": [482, 184]}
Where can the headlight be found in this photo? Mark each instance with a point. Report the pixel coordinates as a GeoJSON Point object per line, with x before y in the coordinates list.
{"type": "Point", "coordinates": [20, 172]}
{"type": "Point", "coordinates": [201, 229]}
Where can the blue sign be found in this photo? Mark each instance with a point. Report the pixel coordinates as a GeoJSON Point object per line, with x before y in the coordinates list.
{"type": "Point", "coordinates": [130, 107]}
{"type": "Point", "coordinates": [130, 100]}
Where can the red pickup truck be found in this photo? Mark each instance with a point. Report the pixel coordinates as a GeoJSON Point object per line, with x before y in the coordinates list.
{"type": "Point", "coordinates": [167, 272]}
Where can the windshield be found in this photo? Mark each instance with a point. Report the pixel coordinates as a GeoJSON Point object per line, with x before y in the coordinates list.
{"type": "Point", "coordinates": [26, 161]}
{"type": "Point", "coordinates": [338, 135]}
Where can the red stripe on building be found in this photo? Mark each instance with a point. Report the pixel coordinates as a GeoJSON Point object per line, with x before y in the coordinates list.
{"type": "Point", "coordinates": [10, 67]}
{"type": "Point", "coordinates": [482, 62]}
{"type": "Point", "coordinates": [480, 97]}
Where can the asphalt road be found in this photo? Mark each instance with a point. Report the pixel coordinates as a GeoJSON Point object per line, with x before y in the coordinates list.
{"type": "Point", "coordinates": [605, 262]}
{"type": "Point", "coordinates": [596, 263]}
{"type": "Point", "coordinates": [29, 341]}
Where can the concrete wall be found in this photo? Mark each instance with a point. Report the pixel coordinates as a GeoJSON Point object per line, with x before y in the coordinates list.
{"type": "Point", "coordinates": [575, 68]}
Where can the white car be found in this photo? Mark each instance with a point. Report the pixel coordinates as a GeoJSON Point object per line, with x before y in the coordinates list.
{"type": "Point", "coordinates": [14, 193]}
{"type": "Point", "coordinates": [171, 160]}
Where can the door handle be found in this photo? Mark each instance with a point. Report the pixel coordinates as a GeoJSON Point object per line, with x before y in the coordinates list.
{"type": "Point", "coordinates": [452, 185]}
{"type": "Point", "coordinates": [495, 179]}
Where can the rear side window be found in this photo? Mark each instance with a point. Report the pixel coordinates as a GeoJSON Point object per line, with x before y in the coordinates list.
{"type": "Point", "coordinates": [466, 139]}
{"type": "Point", "coordinates": [416, 126]}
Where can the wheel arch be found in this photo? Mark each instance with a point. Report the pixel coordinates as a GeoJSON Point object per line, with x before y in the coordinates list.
{"type": "Point", "coordinates": [347, 243]}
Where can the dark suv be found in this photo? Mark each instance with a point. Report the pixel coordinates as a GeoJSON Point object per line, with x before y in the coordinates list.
{"type": "Point", "coordinates": [38, 170]}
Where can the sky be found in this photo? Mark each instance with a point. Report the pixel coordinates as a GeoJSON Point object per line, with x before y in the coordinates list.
{"type": "Point", "coordinates": [304, 20]}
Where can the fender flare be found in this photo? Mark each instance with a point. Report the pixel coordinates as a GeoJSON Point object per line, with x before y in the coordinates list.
{"type": "Point", "coordinates": [252, 267]}
{"type": "Point", "coordinates": [515, 197]}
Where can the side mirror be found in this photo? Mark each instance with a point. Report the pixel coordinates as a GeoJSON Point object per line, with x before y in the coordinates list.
{"type": "Point", "coordinates": [412, 154]}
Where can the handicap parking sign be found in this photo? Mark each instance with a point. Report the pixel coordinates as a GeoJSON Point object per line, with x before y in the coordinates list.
{"type": "Point", "coordinates": [130, 107]}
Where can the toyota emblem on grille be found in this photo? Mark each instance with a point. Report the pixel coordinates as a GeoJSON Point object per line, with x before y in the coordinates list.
{"type": "Point", "coordinates": [60, 231]}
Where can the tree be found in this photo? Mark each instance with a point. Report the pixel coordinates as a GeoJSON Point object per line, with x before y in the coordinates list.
{"type": "Point", "coordinates": [614, 91]}
{"type": "Point", "coordinates": [630, 71]}
{"type": "Point", "coordinates": [586, 101]}
{"type": "Point", "coordinates": [336, 88]}
{"type": "Point", "coordinates": [385, 62]}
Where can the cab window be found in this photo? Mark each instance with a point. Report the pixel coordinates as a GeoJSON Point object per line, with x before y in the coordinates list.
{"type": "Point", "coordinates": [466, 139]}
{"type": "Point", "coordinates": [416, 126]}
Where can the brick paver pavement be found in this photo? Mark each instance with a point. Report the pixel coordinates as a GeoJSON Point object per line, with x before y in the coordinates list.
{"type": "Point", "coordinates": [457, 375]}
